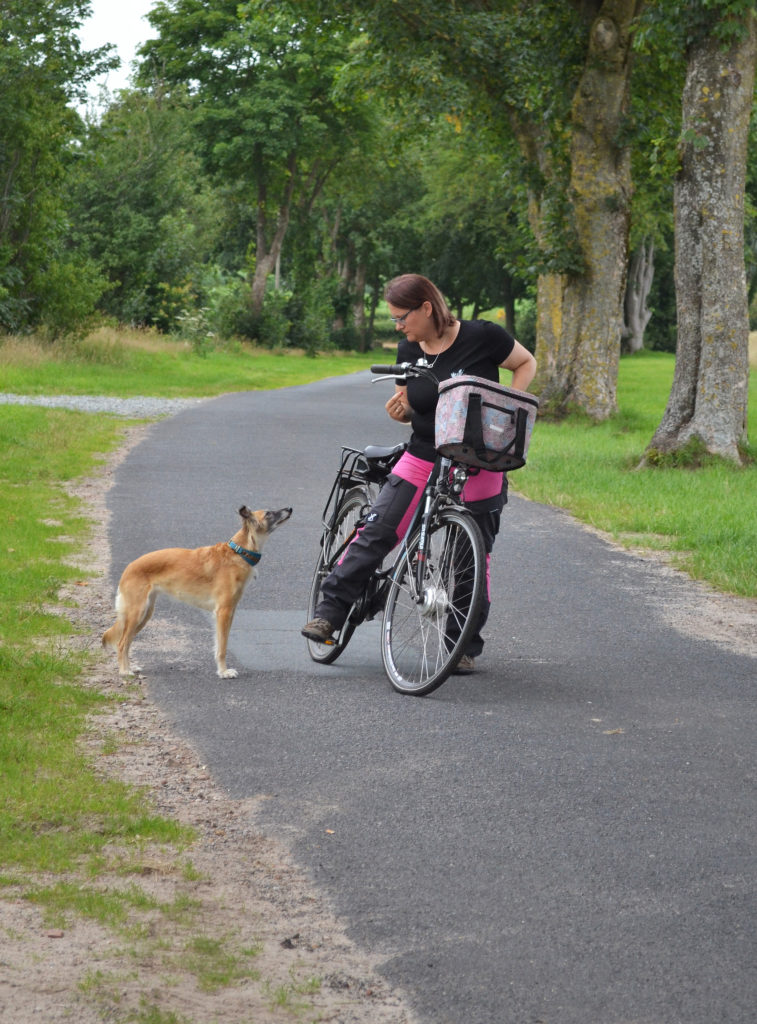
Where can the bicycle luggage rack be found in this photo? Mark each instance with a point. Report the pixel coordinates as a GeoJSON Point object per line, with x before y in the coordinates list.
{"type": "Point", "coordinates": [353, 469]}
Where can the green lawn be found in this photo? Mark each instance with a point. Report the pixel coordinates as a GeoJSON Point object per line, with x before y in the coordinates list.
{"type": "Point", "coordinates": [705, 517]}
{"type": "Point", "coordinates": [126, 363]}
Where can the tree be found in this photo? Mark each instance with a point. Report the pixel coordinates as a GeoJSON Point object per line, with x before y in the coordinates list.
{"type": "Point", "coordinates": [580, 310]}
{"type": "Point", "coordinates": [471, 218]}
{"type": "Point", "coordinates": [554, 80]}
{"type": "Point", "coordinates": [142, 209]}
{"type": "Point", "coordinates": [708, 398]}
{"type": "Point", "coordinates": [637, 313]}
{"type": "Point", "coordinates": [655, 123]}
{"type": "Point", "coordinates": [270, 128]}
{"type": "Point", "coordinates": [371, 231]}
{"type": "Point", "coordinates": [42, 69]}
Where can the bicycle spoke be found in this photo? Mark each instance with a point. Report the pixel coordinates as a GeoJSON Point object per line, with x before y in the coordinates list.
{"type": "Point", "coordinates": [335, 539]}
{"type": "Point", "coordinates": [424, 634]}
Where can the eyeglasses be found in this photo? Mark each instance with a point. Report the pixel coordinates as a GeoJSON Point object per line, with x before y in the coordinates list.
{"type": "Point", "coordinates": [403, 318]}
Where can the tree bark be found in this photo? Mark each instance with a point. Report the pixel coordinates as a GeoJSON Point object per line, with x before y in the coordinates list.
{"type": "Point", "coordinates": [508, 303]}
{"type": "Point", "coordinates": [708, 398]}
{"type": "Point", "coordinates": [267, 252]}
{"type": "Point", "coordinates": [637, 314]}
{"type": "Point", "coordinates": [358, 304]}
{"type": "Point", "coordinates": [580, 315]}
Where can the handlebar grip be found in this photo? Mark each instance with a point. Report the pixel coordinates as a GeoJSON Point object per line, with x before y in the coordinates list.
{"type": "Point", "coordinates": [392, 370]}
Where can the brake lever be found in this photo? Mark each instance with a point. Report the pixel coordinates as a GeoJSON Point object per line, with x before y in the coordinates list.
{"type": "Point", "coordinates": [389, 376]}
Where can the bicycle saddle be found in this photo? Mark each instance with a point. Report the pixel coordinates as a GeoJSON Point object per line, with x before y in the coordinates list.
{"type": "Point", "coordinates": [377, 451]}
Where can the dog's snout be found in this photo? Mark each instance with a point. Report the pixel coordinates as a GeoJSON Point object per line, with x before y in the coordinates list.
{"type": "Point", "coordinates": [279, 516]}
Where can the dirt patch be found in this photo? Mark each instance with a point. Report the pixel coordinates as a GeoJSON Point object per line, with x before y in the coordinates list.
{"type": "Point", "coordinates": [239, 903]}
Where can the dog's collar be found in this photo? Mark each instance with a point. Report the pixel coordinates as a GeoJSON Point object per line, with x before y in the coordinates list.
{"type": "Point", "coordinates": [251, 557]}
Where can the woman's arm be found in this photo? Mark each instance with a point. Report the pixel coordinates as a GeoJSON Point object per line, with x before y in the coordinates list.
{"type": "Point", "coordinates": [523, 366]}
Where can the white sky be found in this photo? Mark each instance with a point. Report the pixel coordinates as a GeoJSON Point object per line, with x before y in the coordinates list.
{"type": "Point", "coordinates": [121, 22]}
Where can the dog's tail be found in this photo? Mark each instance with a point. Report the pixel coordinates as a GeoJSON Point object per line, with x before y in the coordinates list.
{"type": "Point", "coordinates": [111, 636]}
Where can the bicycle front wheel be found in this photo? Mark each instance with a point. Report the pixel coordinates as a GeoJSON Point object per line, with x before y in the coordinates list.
{"type": "Point", "coordinates": [424, 632]}
{"type": "Point", "coordinates": [335, 540]}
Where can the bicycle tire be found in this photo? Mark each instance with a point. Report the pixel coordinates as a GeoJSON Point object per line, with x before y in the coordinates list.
{"type": "Point", "coordinates": [334, 537]}
{"type": "Point", "coordinates": [421, 642]}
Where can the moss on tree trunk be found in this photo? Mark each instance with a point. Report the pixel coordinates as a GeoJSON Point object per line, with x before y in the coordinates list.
{"type": "Point", "coordinates": [708, 398]}
{"type": "Point", "coordinates": [580, 315]}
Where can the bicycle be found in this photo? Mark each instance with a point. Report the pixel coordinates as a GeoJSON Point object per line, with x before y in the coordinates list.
{"type": "Point", "coordinates": [430, 592]}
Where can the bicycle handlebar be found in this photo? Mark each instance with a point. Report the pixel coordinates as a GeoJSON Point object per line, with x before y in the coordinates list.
{"type": "Point", "coordinates": [403, 370]}
{"type": "Point", "coordinates": [392, 370]}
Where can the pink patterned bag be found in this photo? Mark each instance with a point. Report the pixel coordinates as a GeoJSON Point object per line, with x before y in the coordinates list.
{"type": "Point", "coordinates": [484, 424]}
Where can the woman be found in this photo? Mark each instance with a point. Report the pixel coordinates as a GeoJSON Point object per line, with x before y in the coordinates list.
{"type": "Point", "coordinates": [450, 347]}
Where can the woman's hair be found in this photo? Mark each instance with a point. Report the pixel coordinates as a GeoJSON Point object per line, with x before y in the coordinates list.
{"type": "Point", "coordinates": [411, 290]}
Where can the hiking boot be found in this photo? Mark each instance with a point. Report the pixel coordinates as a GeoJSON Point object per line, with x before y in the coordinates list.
{"type": "Point", "coordinates": [465, 666]}
{"type": "Point", "coordinates": [319, 630]}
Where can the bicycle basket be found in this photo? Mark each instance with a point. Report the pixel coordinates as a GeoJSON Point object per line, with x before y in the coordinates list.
{"type": "Point", "coordinates": [484, 424]}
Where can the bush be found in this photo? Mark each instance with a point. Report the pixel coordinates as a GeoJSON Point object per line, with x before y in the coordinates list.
{"type": "Point", "coordinates": [312, 313]}
{"type": "Point", "coordinates": [193, 327]}
{"type": "Point", "coordinates": [274, 324]}
{"type": "Point", "coordinates": [67, 294]}
{"type": "Point", "coordinates": [227, 303]}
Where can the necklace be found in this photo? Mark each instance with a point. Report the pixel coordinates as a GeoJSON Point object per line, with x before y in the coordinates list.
{"type": "Point", "coordinates": [423, 361]}
{"type": "Point", "coordinates": [446, 343]}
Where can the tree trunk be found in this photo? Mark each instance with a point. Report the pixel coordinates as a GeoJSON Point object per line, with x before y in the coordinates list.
{"type": "Point", "coordinates": [708, 398]}
{"type": "Point", "coordinates": [580, 315]}
{"type": "Point", "coordinates": [637, 314]}
{"type": "Point", "coordinates": [358, 304]}
{"type": "Point", "coordinates": [345, 275]}
{"type": "Point", "coordinates": [267, 253]}
{"type": "Point", "coordinates": [266, 259]}
{"type": "Point", "coordinates": [375, 287]}
{"type": "Point", "coordinates": [508, 303]}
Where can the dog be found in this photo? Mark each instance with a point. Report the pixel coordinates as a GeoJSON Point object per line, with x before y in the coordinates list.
{"type": "Point", "coordinates": [212, 578]}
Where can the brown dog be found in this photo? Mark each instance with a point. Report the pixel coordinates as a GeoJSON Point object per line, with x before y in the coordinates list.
{"type": "Point", "coordinates": [213, 578]}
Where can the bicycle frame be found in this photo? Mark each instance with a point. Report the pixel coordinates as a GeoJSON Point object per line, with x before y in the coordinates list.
{"type": "Point", "coordinates": [436, 569]}
{"type": "Point", "coordinates": [444, 486]}
{"type": "Point", "coordinates": [359, 467]}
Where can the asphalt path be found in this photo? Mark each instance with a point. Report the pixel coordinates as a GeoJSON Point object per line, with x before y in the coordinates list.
{"type": "Point", "coordinates": [567, 836]}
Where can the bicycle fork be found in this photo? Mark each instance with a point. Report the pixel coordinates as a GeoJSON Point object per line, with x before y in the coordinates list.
{"type": "Point", "coordinates": [421, 554]}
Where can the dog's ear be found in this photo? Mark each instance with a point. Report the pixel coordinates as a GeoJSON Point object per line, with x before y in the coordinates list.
{"type": "Point", "coordinates": [245, 512]}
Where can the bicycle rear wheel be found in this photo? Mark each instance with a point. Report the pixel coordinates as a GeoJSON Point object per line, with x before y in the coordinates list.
{"type": "Point", "coordinates": [335, 539]}
{"type": "Point", "coordinates": [424, 634]}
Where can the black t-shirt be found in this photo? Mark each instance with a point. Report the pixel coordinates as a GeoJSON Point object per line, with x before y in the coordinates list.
{"type": "Point", "coordinates": [478, 350]}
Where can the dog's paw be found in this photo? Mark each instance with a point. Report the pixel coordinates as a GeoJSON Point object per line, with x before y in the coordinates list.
{"type": "Point", "coordinates": [228, 673]}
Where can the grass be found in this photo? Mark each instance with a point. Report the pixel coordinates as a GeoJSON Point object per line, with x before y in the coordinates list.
{"type": "Point", "coordinates": [63, 827]}
{"type": "Point", "coordinates": [703, 518]}
{"type": "Point", "coordinates": [43, 707]}
{"type": "Point", "coordinates": [111, 362]}
{"type": "Point", "coordinates": [59, 820]}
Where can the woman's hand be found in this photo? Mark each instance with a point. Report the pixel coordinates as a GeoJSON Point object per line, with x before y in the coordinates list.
{"type": "Point", "coordinates": [398, 407]}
